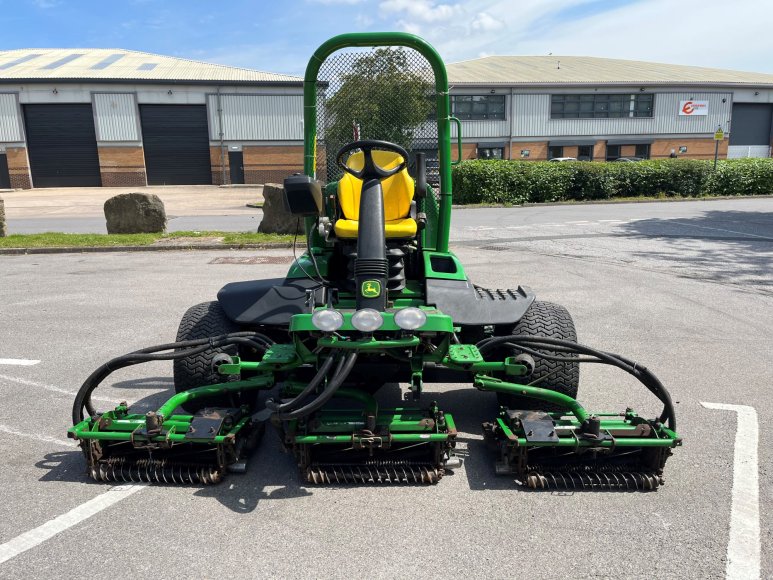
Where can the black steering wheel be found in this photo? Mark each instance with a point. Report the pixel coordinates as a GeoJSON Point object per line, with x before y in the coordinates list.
{"type": "Point", "coordinates": [369, 169]}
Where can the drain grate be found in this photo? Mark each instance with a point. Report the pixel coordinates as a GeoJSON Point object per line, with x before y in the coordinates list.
{"type": "Point", "coordinates": [252, 260]}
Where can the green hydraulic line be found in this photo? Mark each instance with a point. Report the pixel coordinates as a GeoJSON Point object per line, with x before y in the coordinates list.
{"type": "Point", "coordinates": [179, 399]}
{"type": "Point", "coordinates": [373, 39]}
{"type": "Point", "coordinates": [560, 399]}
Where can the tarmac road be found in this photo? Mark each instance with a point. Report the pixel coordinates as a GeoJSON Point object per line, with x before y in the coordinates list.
{"type": "Point", "coordinates": [687, 290]}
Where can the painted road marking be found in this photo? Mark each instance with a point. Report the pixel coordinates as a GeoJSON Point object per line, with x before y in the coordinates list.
{"type": "Point", "coordinates": [743, 549]}
{"type": "Point", "coordinates": [37, 536]}
{"type": "Point", "coordinates": [721, 230]}
{"type": "Point", "coordinates": [22, 362]}
{"type": "Point", "coordinates": [51, 388]}
{"type": "Point", "coordinates": [44, 438]}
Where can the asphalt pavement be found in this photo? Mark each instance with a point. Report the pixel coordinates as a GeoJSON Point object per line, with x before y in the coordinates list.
{"type": "Point", "coordinates": [684, 288]}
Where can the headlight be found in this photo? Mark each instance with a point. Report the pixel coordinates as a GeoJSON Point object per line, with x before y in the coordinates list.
{"type": "Point", "coordinates": [327, 320]}
{"type": "Point", "coordinates": [410, 318]}
{"type": "Point", "coordinates": [367, 320]}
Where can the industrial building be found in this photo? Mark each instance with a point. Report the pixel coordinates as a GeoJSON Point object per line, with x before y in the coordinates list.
{"type": "Point", "coordinates": [543, 107]}
{"type": "Point", "coordinates": [112, 117]}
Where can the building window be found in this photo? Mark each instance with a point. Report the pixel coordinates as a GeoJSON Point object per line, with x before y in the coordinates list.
{"type": "Point", "coordinates": [478, 107]}
{"type": "Point", "coordinates": [613, 152]}
{"type": "Point", "coordinates": [599, 106]}
{"type": "Point", "coordinates": [585, 153]}
{"type": "Point", "coordinates": [491, 152]}
{"type": "Point", "coordinates": [555, 151]}
{"type": "Point", "coordinates": [643, 150]}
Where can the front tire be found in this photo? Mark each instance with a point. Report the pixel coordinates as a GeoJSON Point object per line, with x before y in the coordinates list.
{"type": "Point", "coordinates": [203, 321]}
{"type": "Point", "coordinates": [545, 319]}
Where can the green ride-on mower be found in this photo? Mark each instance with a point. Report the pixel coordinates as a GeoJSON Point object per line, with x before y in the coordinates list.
{"type": "Point", "coordinates": [376, 298]}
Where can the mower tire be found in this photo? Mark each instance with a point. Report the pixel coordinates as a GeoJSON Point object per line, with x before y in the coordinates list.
{"type": "Point", "coordinates": [202, 321]}
{"type": "Point", "coordinates": [551, 320]}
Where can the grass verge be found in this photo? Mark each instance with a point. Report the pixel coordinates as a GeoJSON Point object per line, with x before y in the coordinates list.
{"type": "Point", "coordinates": [61, 240]}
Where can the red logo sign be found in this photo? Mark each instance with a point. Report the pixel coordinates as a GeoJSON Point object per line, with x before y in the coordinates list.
{"type": "Point", "coordinates": [688, 108]}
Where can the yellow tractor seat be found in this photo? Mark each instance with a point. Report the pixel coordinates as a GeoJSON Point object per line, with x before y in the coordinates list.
{"type": "Point", "coordinates": [398, 195]}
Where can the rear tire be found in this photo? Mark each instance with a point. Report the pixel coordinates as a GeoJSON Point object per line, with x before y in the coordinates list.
{"type": "Point", "coordinates": [549, 320]}
{"type": "Point", "coordinates": [203, 321]}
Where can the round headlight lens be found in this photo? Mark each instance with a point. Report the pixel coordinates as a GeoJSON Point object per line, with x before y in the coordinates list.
{"type": "Point", "coordinates": [367, 320]}
{"type": "Point", "coordinates": [410, 318]}
{"type": "Point", "coordinates": [327, 320]}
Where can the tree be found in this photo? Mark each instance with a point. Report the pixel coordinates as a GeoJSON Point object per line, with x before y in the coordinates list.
{"type": "Point", "coordinates": [382, 93]}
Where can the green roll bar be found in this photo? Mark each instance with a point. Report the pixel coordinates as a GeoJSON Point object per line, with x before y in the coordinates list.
{"type": "Point", "coordinates": [360, 39]}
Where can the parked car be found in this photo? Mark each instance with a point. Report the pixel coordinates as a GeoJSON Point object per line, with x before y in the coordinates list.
{"type": "Point", "coordinates": [560, 159]}
{"type": "Point", "coordinates": [629, 159]}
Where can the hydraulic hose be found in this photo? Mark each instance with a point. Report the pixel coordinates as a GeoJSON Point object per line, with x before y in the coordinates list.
{"type": "Point", "coordinates": [341, 373]}
{"type": "Point", "coordinates": [324, 369]}
{"type": "Point", "coordinates": [641, 373]}
{"type": "Point", "coordinates": [181, 350]}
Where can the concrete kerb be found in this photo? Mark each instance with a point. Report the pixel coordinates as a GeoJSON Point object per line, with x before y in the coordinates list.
{"type": "Point", "coordinates": [611, 201]}
{"type": "Point", "coordinates": [101, 249]}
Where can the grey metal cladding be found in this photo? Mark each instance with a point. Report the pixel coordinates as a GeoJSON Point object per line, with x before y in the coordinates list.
{"type": "Point", "coordinates": [115, 117]}
{"type": "Point", "coordinates": [10, 122]}
{"type": "Point", "coordinates": [531, 116]}
{"type": "Point", "coordinates": [256, 117]}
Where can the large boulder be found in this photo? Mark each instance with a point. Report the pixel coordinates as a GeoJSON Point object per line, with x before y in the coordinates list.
{"type": "Point", "coordinates": [276, 218]}
{"type": "Point", "coordinates": [3, 231]}
{"type": "Point", "coordinates": [135, 213]}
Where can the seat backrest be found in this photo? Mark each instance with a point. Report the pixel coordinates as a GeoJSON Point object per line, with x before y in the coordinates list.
{"type": "Point", "coordinates": [398, 189]}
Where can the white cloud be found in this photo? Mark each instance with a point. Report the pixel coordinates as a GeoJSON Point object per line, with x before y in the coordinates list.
{"type": "Point", "coordinates": [419, 10]}
{"type": "Point", "coordinates": [716, 34]}
{"type": "Point", "coordinates": [486, 23]}
{"type": "Point", "coordinates": [363, 21]}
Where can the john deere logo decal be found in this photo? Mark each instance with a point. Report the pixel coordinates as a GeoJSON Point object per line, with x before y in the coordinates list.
{"type": "Point", "coordinates": [371, 289]}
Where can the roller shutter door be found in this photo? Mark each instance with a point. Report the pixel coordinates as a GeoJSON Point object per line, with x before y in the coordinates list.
{"type": "Point", "coordinates": [751, 124]}
{"type": "Point", "coordinates": [176, 143]}
{"type": "Point", "coordinates": [62, 145]}
{"type": "Point", "coordinates": [5, 178]}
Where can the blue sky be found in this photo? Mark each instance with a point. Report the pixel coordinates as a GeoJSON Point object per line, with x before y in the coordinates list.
{"type": "Point", "coordinates": [279, 36]}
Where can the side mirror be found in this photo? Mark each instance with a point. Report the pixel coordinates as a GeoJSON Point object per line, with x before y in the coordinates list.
{"type": "Point", "coordinates": [303, 195]}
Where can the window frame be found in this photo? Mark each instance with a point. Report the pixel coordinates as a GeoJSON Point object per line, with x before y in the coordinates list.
{"type": "Point", "coordinates": [580, 155]}
{"type": "Point", "coordinates": [472, 115]}
{"type": "Point", "coordinates": [550, 151]}
{"type": "Point", "coordinates": [602, 106]}
{"type": "Point", "coordinates": [481, 149]}
{"type": "Point", "coordinates": [648, 149]}
{"type": "Point", "coordinates": [608, 157]}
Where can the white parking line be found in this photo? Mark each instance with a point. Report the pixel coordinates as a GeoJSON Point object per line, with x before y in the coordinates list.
{"type": "Point", "coordinates": [51, 388]}
{"type": "Point", "coordinates": [44, 438]}
{"type": "Point", "coordinates": [23, 362]}
{"type": "Point", "coordinates": [37, 536]}
{"type": "Point", "coordinates": [743, 549]}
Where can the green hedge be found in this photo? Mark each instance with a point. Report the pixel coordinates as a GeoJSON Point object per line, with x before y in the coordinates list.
{"type": "Point", "coordinates": [516, 182]}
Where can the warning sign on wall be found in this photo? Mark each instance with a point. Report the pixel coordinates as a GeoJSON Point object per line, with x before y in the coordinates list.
{"type": "Point", "coordinates": [693, 108]}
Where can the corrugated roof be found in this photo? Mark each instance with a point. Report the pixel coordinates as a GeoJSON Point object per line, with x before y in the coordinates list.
{"type": "Point", "coordinates": [573, 70]}
{"type": "Point", "coordinates": [111, 64]}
